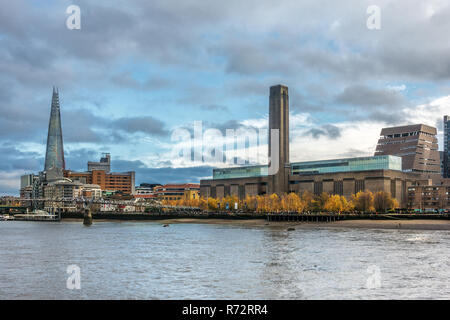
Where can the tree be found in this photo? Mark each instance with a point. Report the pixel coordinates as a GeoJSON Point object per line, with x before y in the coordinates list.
{"type": "Point", "coordinates": [364, 201]}
{"type": "Point", "coordinates": [348, 205]}
{"type": "Point", "coordinates": [383, 201]}
{"type": "Point", "coordinates": [212, 204]}
{"type": "Point", "coordinates": [268, 203]}
{"type": "Point", "coordinates": [274, 203]}
{"type": "Point", "coordinates": [203, 204]}
{"type": "Point", "coordinates": [334, 204]}
{"type": "Point", "coordinates": [308, 199]}
{"type": "Point", "coordinates": [322, 200]}
{"type": "Point", "coordinates": [262, 203]}
{"type": "Point", "coordinates": [251, 202]}
{"type": "Point", "coordinates": [395, 203]}
{"type": "Point", "coordinates": [291, 203]}
{"type": "Point", "coordinates": [231, 200]}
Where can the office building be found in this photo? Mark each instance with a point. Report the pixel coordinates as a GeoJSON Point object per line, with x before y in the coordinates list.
{"type": "Point", "coordinates": [185, 191]}
{"type": "Point", "coordinates": [26, 185]}
{"type": "Point", "coordinates": [104, 164]}
{"type": "Point", "coordinates": [446, 153]}
{"type": "Point", "coordinates": [99, 173]}
{"type": "Point", "coordinates": [145, 191]}
{"type": "Point", "coordinates": [415, 144]}
{"type": "Point", "coordinates": [122, 182]}
{"type": "Point", "coordinates": [429, 195]}
{"type": "Point", "coordinates": [54, 155]}
{"type": "Point", "coordinates": [65, 189]}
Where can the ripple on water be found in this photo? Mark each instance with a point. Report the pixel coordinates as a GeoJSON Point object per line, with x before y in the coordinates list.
{"type": "Point", "coordinates": [141, 260]}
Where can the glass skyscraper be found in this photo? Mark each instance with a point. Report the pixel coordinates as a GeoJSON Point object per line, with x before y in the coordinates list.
{"type": "Point", "coordinates": [54, 155]}
{"type": "Point", "coordinates": [446, 160]}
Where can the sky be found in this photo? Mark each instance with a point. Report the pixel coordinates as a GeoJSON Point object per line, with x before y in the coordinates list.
{"type": "Point", "coordinates": [138, 71]}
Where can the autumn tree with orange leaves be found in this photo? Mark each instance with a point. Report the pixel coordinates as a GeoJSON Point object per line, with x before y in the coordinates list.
{"type": "Point", "coordinates": [364, 201]}
{"type": "Point", "coordinates": [383, 201]}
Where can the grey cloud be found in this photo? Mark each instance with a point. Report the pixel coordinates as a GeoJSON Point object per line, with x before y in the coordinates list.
{"type": "Point", "coordinates": [353, 153]}
{"type": "Point", "coordinates": [359, 95]}
{"type": "Point", "coordinates": [301, 103]}
{"type": "Point", "coordinates": [76, 159]}
{"type": "Point", "coordinates": [390, 118]}
{"type": "Point", "coordinates": [215, 107]}
{"type": "Point", "coordinates": [162, 175]}
{"type": "Point", "coordinates": [78, 125]}
{"type": "Point", "coordinates": [29, 123]}
{"type": "Point", "coordinates": [22, 120]}
{"type": "Point", "coordinates": [11, 158]}
{"type": "Point", "coordinates": [249, 45]}
{"type": "Point", "coordinates": [330, 131]}
{"type": "Point", "coordinates": [221, 126]}
{"type": "Point", "coordinates": [147, 124]}
{"type": "Point", "coordinates": [127, 80]}
{"type": "Point", "coordinates": [245, 59]}
{"type": "Point", "coordinates": [230, 124]}
{"type": "Point", "coordinates": [174, 33]}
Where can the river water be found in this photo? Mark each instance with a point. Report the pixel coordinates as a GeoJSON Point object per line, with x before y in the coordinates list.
{"type": "Point", "coordinates": [143, 260]}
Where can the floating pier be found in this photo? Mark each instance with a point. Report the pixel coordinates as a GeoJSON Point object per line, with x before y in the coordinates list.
{"type": "Point", "coordinates": [331, 217]}
{"type": "Point", "coordinates": [304, 217]}
{"type": "Point", "coordinates": [36, 217]}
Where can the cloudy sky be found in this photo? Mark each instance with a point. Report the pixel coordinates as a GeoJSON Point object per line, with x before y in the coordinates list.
{"type": "Point", "coordinates": [138, 70]}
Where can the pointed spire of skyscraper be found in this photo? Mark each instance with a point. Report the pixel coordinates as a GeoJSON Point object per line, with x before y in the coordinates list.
{"type": "Point", "coordinates": [54, 156]}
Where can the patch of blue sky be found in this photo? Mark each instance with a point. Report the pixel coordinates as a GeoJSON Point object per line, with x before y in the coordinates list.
{"type": "Point", "coordinates": [421, 92]}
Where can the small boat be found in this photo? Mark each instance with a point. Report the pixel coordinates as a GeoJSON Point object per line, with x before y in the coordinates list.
{"type": "Point", "coordinates": [40, 212]}
{"type": "Point", "coordinates": [6, 217]}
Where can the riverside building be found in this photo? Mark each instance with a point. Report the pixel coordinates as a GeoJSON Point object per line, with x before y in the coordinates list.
{"type": "Point", "coordinates": [446, 153]}
{"type": "Point", "coordinates": [56, 182]}
{"type": "Point", "coordinates": [98, 174]}
{"type": "Point", "coordinates": [185, 191]}
{"type": "Point", "coordinates": [417, 145]}
{"type": "Point", "coordinates": [383, 172]}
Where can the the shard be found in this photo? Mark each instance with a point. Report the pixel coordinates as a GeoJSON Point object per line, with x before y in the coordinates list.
{"type": "Point", "coordinates": [54, 155]}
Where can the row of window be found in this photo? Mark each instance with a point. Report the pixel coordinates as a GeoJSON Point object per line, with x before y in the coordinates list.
{"type": "Point", "coordinates": [398, 135]}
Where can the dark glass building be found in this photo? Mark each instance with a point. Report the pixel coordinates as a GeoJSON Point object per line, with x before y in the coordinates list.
{"type": "Point", "coordinates": [54, 155]}
{"type": "Point", "coordinates": [446, 155]}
